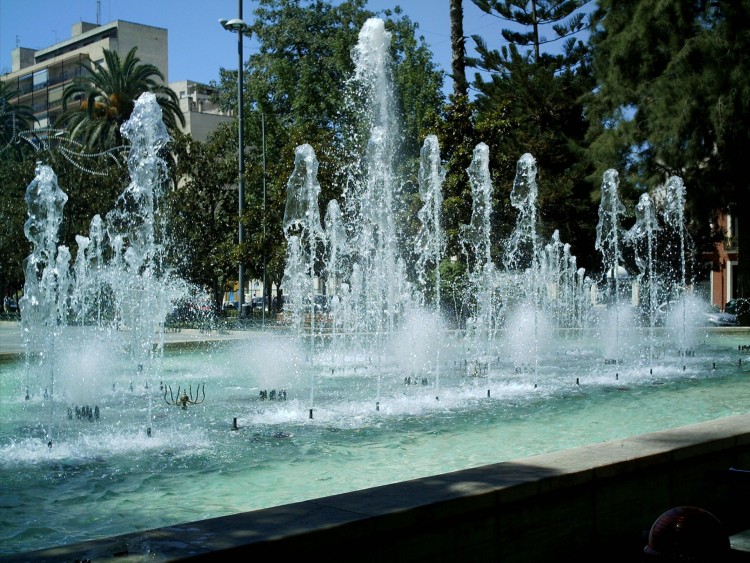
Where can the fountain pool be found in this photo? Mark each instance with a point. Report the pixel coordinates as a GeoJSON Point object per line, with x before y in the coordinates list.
{"type": "Point", "coordinates": [106, 476]}
{"type": "Point", "coordinates": [96, 438]}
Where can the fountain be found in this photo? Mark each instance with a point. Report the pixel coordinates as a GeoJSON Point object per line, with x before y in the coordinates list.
{"type": "Point", "coordinates": [94, 441]}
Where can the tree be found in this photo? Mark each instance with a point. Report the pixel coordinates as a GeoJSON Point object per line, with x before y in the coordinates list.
{"type": "Point", "coordinates": [16, 162]}
{"type": "Point", "coordinates": [458, 49]}
{"type": "Point", "coordinates": [201, 211]}
{"type": "Point", "coordinates": [533, 16]}
{"type": "Point", "coordinates": [99, 101]}
{"type": "Point", "coordinates": [13, 245]}
{"type": "Point", "coordinates": [533, 102]}
{"type": "Point", "coordinates": [295, 86]}
{"type": "Point", "coordinates": [14, 117]}
{"type": "Point", "coordinates": [417, 82]}
{"type": "Point", "coordinates": [673, 99]}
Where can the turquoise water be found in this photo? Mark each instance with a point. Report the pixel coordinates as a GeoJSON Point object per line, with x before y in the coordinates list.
{"type": "Point", "coordinates": [348, 422]}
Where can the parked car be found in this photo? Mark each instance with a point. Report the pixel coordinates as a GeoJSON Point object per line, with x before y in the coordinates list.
{"type": "Point", "coordinates": [709, 317]}
{"type": "Point", "coordinates": [737, 306]}
{"type": "Point", "coordinates": [322, 303]}
{"type": "Point", "coordinates": [189, 310]}
{"type": "Point", "coordinates": [740, 307]}
{"type": "Point", "coordinates": [717, 318]}
{"type": "Point", "coordinates": [10, 304]}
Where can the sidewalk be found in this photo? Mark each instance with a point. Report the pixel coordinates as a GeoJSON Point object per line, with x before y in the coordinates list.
{"type": "Point", "coordinates": [10, 339]}
{"type": "Point", "coordinates": [12, 347]}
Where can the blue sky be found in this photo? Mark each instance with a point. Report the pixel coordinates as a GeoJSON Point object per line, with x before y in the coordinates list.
{"type": "Point", "coordinates": [198, 45]}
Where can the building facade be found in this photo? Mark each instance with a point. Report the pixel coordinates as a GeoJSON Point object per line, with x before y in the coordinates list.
{"type": "Point", "coordinates": [202, 115]}
{"type": "Point", "coordinates": [723, 258]}
{"type": "Point", "coordinates": [40, 76]}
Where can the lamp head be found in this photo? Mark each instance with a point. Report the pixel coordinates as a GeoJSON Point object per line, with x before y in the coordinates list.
{"type": "Point", "coordinates": [237, 25]}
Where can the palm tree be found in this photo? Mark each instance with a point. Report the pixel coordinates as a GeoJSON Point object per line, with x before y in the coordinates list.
{"type": "Point", "coordinates": [14, 118]}
{"type": "Point", "coordinates": [97, 103]}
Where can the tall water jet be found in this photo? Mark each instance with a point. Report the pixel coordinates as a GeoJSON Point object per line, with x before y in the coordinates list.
{"type": "Point", "coordinates": [522, 250]}
{"type": "Point", "coordinates": [336, 253]}
{"type": "Point", "coordinates": [43, 305]}
{"type": "Point", "coordinates": [44, 302]}
{"type": "Point", "coordinates": [302, 219]}
{"type": "Point", "coordinates": [142, 286]}
{"type": "Point", "coordinates": [674, 217]}
{"type": "Point", "coordinates": [644, 231]}
{"type": "Point", "coordinates": [430, 243]}
{"type": "Point", "coordinates": [608, 237]}
{"type": "Point", "coordinates": [475, 240]}
{"type": "Point", "coordinates": [372, 184]}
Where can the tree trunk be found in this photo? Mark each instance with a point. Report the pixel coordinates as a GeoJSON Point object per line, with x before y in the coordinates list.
{"type": "Point", "coordinates": [458, 49]}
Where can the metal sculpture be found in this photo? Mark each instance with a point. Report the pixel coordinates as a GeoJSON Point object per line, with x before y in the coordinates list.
{"type": "Point", "coordinates": [185, 399]}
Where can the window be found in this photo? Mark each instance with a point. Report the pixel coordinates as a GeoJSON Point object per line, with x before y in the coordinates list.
{"type": "Point", "coordinates": [41, 77]}
{"type": "Point", "coordinates": [25, 84]}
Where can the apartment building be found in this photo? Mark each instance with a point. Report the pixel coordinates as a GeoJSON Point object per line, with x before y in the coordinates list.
{"type": "Point", "coordinates": [202, 115]}
{"type": "Point", "coordinates": [40, 76]}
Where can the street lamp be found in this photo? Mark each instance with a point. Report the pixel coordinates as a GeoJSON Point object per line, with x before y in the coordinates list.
{"type": "Point", "coordinates": [238, 26]}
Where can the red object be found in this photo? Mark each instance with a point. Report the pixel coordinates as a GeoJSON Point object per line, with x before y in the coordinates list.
{"type": "Point", "coordinates": [688, 533]}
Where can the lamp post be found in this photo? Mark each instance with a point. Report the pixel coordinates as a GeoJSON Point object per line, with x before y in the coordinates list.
{"type": "Point", "coordinates": [263, 138]}
{"type": "Point", "coordinates": [241, 28]}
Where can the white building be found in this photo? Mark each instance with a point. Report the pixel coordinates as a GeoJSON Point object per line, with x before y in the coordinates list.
{"type": "Point", "coordinates": [40, 76]}
{"type": "Point", "coordinates": [202, 115]}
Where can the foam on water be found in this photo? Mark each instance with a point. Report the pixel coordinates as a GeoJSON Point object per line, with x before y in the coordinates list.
{"type": "Point", "coordinates": [542, 357]}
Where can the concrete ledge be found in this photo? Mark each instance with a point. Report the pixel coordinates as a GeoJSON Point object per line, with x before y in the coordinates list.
{"type": "Point", "coordinates": [592, 502]}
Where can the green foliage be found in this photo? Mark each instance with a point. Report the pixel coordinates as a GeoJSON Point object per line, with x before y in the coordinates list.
{"type": "Point", "coordinates": [533, 102]}
{"type": "Point", "coordinates": [14, 117]}
{"type": "Point", "coordinates": [417, 82]}
{"type": "Point", "coordinates": [13, 245]}
{"type": "Point", "coordinates": [202, 210]}
{"type": "Point", "coordinates": [88, 195]}
{"type": "Point", "coordinates": [99, 101]}
{"type": "Point", "coordinates": [674, 99]}
{"type": "Point", "coordinates": [562, 17]}
{"type": "Point", "coordinates": [296, 85]}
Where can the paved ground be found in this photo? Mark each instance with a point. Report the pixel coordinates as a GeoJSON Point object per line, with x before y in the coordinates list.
{"type": "Point", "coordinates": [10, 338]}
{"type": "Point", "coordinates": [11, 345]}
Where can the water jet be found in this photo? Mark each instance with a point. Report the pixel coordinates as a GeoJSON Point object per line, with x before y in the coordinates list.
{"type": "Point", "coordinates": [536, 321]}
